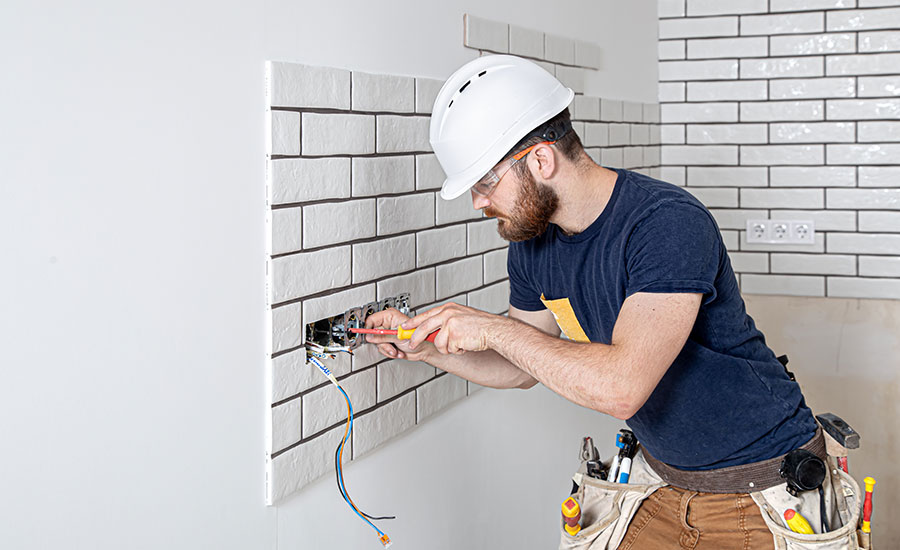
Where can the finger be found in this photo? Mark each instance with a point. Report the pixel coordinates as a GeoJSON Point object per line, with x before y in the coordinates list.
{"type": "Point", "coordinates": [422, 317]}
{"type": "Point", "coordinates": [388, 350]}
{"type": "Point", "coordinates": [425, 329]}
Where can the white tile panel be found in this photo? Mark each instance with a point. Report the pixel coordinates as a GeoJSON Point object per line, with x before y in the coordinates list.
{"type": "Point", "coordinates": [812, 88]}
{"type": "Point", "coordinates": [879, 266]}
{"type": "Point", "coordinates": [844, 287]}
{"type": "Point", "coordinates": [863, 243]}
{"type": "Point", "coordinates": [704, 28]}
{"type": "Point", "coordinates": [774, 198]}
{"type": "Point", "coordinates": [381, 92]}
{"type": "Point", "coordinates": [879, 132]}
{"type": "Point", "coordinates": [813, 176]}
{"type": "Point", "coordinates": [879, 176]}
{"type": "Point", "coordinates": [874, 153]}
{"type": "Point", "coordinates": [814, 264]}
{"type": "Point", "coordinates": [384, 257]}
{"type": "Point", "coordinates": [813, 44]}
{"type": "Point", "coordinates": [783, 285]}
{"type": "Point", "coordinates": [699, 154]}
{"type": "Point", "coordinates": [886, 222]}
{"type": "Point", "coordinates": [770, 155]}
{"type": "Point", "coordinates": [293, 85]}
{"type": "Point", "coordinates": [711, 48]}
{"type": "Point", "coordinates": [526, 42]}
{"type": "Point", "coordinates": [866, 64]}
{"type": "Point", "coordinates": [383, 424]}
{"type": "Point", "coordinates": [746, 90]}
{"type": "Point", "coordinates": [771, 111]}
{"type": "Point", "coordinates": [879, 86]}
{"type": "Point", "coordinates": [813, 132]}
{"type": "Point", "coordinates": [438, 394]}
{"type": "Point", "coordinates": [864, 199]}
{"type": "Point", "coordinates": [732, 176]}
{"type": "Point", "coordinates": [337, 134]}
{"type": "Point", "coordinates": [720, 69]}
{"type": "Point", "coordinates": [484, 34]}
{"type": "Point", "coordinates": [863, 109]}
{"type": "Point", "coordinates": [726, 133]}
{"type": "Point", "coordinates": [879, 41]}
{"type": "Point", "coordinates": [859, 20]}
{"type": "Point", "coordinates": [302, 180]}
{"type": "Point", "coordinates": [717, 7]}
{"type": "Point", "coordinates": [791, 23]}
{"type": "Point", "coordinates": [782, 67]}
{"type": "Point", "coordinates": [699, 112]}
{"type": "Point", "coordinates": [337, 222]}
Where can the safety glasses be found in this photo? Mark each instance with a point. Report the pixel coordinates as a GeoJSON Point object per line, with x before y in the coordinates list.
{"type": "Point", "coordinates": [486, 185]}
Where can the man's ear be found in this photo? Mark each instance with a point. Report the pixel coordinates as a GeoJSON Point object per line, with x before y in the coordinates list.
{"type": "Point", "coordinates": [546, 161]}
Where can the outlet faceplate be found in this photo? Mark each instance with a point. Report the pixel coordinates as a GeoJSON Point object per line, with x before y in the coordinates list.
{"type": "Point", "coordinates": [781, 231]}
{"type": "Point", "coordinates": [332, 331]}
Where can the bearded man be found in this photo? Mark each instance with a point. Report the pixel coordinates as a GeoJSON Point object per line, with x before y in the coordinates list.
{"type": "Point", "coordinates": [634, 272]}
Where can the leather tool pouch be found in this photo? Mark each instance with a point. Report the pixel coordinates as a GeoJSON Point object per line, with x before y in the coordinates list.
{"type": "Point", "coordinates": [842, 497]}
{"type": "Point", "coordinates": [607, 508]}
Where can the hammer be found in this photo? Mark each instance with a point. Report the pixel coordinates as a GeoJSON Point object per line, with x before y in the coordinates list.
{"type": "Point", "coordinates": [839, 437]}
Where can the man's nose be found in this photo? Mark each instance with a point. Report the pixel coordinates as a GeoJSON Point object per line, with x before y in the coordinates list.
{"type": "Point", "coordinates": [479, 202]}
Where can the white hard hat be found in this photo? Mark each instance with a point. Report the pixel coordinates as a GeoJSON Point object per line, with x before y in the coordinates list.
{"type": "Point", "coordinates": [484, 109]}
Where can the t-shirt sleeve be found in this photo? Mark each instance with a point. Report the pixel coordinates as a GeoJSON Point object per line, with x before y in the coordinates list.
{"type": "Point", "coordinates": [523, 294]}
{"type": "Point", "coordinates": [676, 248]}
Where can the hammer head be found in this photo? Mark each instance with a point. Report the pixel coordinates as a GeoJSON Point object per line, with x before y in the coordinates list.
{"type": "Point", "coordinates": [839, 430]}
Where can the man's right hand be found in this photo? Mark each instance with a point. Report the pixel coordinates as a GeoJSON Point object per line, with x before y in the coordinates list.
{"type": "Point", "coordinates": [391, 346]}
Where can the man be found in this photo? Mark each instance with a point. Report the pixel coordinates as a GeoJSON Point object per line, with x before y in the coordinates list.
{"type": "Point", "coordinates": [635, 274]}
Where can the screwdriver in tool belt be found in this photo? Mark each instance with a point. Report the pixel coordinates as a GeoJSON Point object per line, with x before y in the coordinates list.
{"type": "Point", "coordinates": [400, 332]}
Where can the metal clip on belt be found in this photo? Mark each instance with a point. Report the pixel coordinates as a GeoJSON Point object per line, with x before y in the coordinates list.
{"type": "Point", "coordinates": [744, 478]}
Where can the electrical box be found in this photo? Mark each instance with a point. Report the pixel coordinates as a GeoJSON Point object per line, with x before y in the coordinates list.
{"type": "Point", "coordinates": [334, 331]}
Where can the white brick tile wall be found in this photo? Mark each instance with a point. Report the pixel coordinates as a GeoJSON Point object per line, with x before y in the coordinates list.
{"type": "Point", "coordinates": [287, 230]}
{"type": "Point", "coordinates": [286, 423]}
{"type": "Point", "coordinates": [381, 92]}
{"type": "Point", "coordinates": [382, 424]}
{"type": "Point", "coordinates": [379, 175]}
{"type": "Point", "coordinates": [632, 158]}
{"type": "Point", "coordinates": [559, 49]}
{"type": "Point", "coordinates": [782, 67]}
{"type": "Point", "coordinates": [879, 266]}
{"type": "Point", "coordinates": [815, 248]}
{"type": "Point", "coordinates": [337, 133]}
{"type": "Point", "coordinates": [673, 174]}
{"type": "Point", "coordinates": [825, 220]}
{"type": "Point", "coordinates": [596, 134]}
{"type": "Point", "coordinates": [842, 287]}
{"type": "Point", "coordinates": [287, 329]}
{"type": "Point", "coordinates": [365, 356]}
{"type": "Point", "coordinates": [429, 174]}
{"type": "Point", "coordinates": [805, 5]}
{"type": "Point", "coordinates": [875, 153]}
{"type": "Point", "coordinates": [572, 77]}
{"type": "Point", "coordinates": [770, 155]}
{"type": "Point", "coordinates": [705, 48]}
{"type": "Point", "coordinates": [879, 86]}
{"type": "Point", "coordinates": [292, 278]}
{"type": "Point", "coordinates": [813, 176]}
{"type": "Point", "coordinates": [749, 262]}
{"type": "Point", "coordinates": [493, 298]}
{"type": "Point", "coordinates": [299, 466]}
{"type": "Point", "coordinates": [864, 199]}
{"type": "Point", "coordinates": [284, 137]}
{"type": "Point", "coordinates": [526, 42]}
{"type": "Point", "coordinates": [816, 132]}
{"type": "Point", "coordinates": [747, 90]}
{"type": "Point", "coordinates": [384, 257]}
{"type": "Point", "coordinates": [329, 405]}
{"type": "Point", "coordinates": [640, 134]}
{"type": "Point", "coordinates": [292, 85]}
{"type": "Point", "coordinates": [612, 110]}
{"type": "Point", "coordinates": [495, 265]}
{"type": "Point", "coordinates": [699, 112]}
{"type": "Point", "coordinates": [337, 222]}
{"type": "Point", "coordinates": [651, 113]}
{"type": "Point", "coordinates": [585, 108]}
{"type": "Point", "coordinates": [771, 198]}
{"type": "Point", "coordinates": [705, 27]}
{"type": "Point", "coordinates": [879, 221]}
{"type": "Point", "coordinates": [877, 3]}
{"type": "Point", "coordinates": [698, 70]}
{"type": "Point", "coordinates": [456, 277]}
{"type": "Point", "coordinates": [699, 154]}
{"type": "Point", "coordinates": [671, 91]}
{"type": "Point", "coordinates": [483, 236]}
{"type": "Point", "coordinates": [858, 20]}
{"type": "Point", "coordinates": [301, 180]}
{"type": "Point", "coordinates": [714, 197]}
{"type": "Point", "coordinates": [813, 44]}
{"type": "Point", "coordinates": [336, 303]}
{"type": "Point", "coordinates": [731, 240]}
{"type": "Point", "coordinates": [632, 111]}
{"type": "Point", "coordinates": [291, 375]}
{"type": "Point", "coordinates": [785, 285]}
{"type": "Point", "coordinates": [879, 131]}
{"type": "Point", "coordinates": [484, 34]}
{"type": "Point", "coordinates": [671, 8]}
{"type": "Point", "coordinates": [717, 7]}
{"type": "Point", "coordinates": [884, 63]}
{"type": "Point", "coordinates": [396, 376]}
{"type": "Point", "coordinates": [397, 134]}
{"type": "Point", "coordinates": [812, 88]}
{"type": "Point", "coordinates": [727, 133]}
{"type": "Point", "coordinates": [619, 134]}
{"type": "Point", "coordinates": [456, 210]}
{"type": "Point", "coordinates": [439, 394]}
{"type": "Point", "coordinates": [734, 218]}
{"type": "Point", "coordinates": [814, 264]}
{"type": "Point", "coordinates": [439, 245]}
{"type": "Point", "coordinates": [652, 156]}
{"type": "Point", "coordinates": [860, 243]}
{"type": "Point", "coordinates": [879, 176]}
{"type": "Point", "coordinates": [427, 90]}
{"type": "Point", "coordinates": [672, 134]}
{"type": "Point", "coordinates": [672, 49]}
{"type": "Point", "coordinates": [879, 41]}
{"type": "Point", "coordinates": [791, 23]}
{"type": "Point", "coordinates": [406, 213]}
{"type": "Point", "coordinates": [588, 54]}
{"type": "Point", "coordinates": [782, 110]}
{"type": "Point", "coordinates": [731, 176]}
{"type": "Point", "coordinates": [419, 284]}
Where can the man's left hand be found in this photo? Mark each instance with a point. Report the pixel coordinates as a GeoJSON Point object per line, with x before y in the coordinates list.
{"type": "Point", "coordinates": [462, 328]}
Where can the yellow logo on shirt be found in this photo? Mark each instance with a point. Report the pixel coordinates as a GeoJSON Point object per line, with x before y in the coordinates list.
{"type": "Point", "coordinates": [565, 317]}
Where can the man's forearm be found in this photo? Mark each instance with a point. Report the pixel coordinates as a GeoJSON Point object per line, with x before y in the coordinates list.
{"type": "Point", "coordinates": [486, 368]}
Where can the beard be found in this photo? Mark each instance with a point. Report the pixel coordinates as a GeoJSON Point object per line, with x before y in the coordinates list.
{"type": "Point", "coordinates": [535, 205]}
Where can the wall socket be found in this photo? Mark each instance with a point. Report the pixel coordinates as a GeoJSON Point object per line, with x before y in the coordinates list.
{"type": "Point", "coordinates": [781, 231]}
{"type": "Point", "coordinates": [332, 331]}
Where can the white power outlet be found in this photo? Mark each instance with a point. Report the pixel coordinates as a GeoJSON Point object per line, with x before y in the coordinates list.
{"type": "Point", "coordinates": [781, 231]}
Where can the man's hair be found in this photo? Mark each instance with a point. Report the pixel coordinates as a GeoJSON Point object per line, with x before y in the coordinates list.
{"type": "Point", "coordinates": [569, 145]}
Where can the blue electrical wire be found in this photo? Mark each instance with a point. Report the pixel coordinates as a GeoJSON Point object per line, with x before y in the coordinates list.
{"type": "Point", "coordinates": [340, 469]}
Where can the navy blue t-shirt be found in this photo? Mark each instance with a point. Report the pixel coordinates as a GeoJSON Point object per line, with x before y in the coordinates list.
{"type": "Point", "coordinates": [725, 400]}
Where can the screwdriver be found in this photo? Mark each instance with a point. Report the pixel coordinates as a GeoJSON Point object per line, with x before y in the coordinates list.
{"type": "Point", "coordinates": [400, 332]}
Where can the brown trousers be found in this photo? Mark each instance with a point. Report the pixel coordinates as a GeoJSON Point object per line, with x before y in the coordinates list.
{"type": "Point", "coordinates": [673, 518]}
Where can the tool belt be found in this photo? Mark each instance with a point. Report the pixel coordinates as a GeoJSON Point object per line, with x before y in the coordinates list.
{"type": "Point", "coordinates": [745, 478]}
